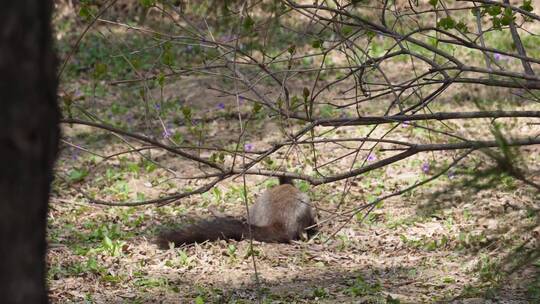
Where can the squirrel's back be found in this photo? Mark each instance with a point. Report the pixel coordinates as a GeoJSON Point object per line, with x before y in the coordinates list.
{"type": "Point", "coordinates": [285, 206]}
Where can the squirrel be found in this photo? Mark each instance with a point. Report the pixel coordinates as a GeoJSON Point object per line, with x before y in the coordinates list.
{"type": "Point", "coordinates": [280, 215]}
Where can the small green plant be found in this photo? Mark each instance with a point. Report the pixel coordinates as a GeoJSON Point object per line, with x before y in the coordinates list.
{"type": "Point", "coordinates": [112, 278]}
{"type": "Point", "coordinates": [471, 291]}
{"type": "Point", "coordinates": [113, 248]}
{"type": "Point", "coordinates": [252, 252]}
{"type": "Point", "coordinates": [76, 175]}
{"type": "Point", "coordinates": [199, 300]}
{"type": "Point", "coordinates": [148, 283]}
{"type": "Point", "coordinates": [327, 111]}
{"type": "Point", "coordinates": [488, 270]}
{"type": "Point", "coordinates": [472, 240]}
{"type": "Point", "coordinates": [448, 280]}
{"type": "Point", "coordinates": [93, 265]}
{"type": "Point", "coordinates": [426, 243]}
{"type": "Point", "coordinates": [371, 219]}
{"type": "Point", "coordinates": [99, 232]}
{"type": "Point", "coordinates": [449, 223]}
{"type": "Point", "coordinates": [533, 289]}
{"type": "Point", "coordinates": [148, 166]}
{"type": "Point", "coordinates": [467, 214]}
{"type": "Point", "coordinates": [320, 293]}
{"type": "Point", "coordinates": [231, 251]}
{"type": "Point", "coordinates": [404, 222]}
{"type": "Point", "coordinates": [133, 167]}
{"type": "Point", "coordinates": [344, 242]}
{"type": "Point", "coordinates": [218, 195]}
{"type": "Point", "coordinates": [360, 287]}
{"type": "Point", "coordinates": [120, 189]}
{"type": "Point", "coordinates": [183, 258]}
{"type": "Point", "coordinates": [303, 186]}
{"type": "Point", "coordinates": [90, 266]}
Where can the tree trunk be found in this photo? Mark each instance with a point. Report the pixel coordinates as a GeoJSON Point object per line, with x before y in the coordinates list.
{"type": "Point", "coordinates": [28, 146]}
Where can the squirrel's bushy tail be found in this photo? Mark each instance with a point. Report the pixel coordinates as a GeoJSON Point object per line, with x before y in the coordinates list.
{"type": "Point", "coordinates": [221, 228]}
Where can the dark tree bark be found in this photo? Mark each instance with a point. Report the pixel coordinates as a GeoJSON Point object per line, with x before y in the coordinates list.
{"type": "Point", "coordinates": [28, 146]}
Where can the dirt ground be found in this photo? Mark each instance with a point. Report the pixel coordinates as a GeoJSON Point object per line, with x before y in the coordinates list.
{"type": "Point", "coordinates": [445, 242]}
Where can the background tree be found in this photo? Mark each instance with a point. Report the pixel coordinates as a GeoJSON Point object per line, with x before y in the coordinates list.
{"type": "Point", "coordinates": [28, 146]}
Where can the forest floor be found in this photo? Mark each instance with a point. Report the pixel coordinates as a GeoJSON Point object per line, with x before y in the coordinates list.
{"type": "Point", "coordinates": [447, 241]}
{"type": "Point", "coordinates": [455, 239]}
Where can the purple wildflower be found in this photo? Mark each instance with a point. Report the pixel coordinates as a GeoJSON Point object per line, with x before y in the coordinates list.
{"type": "Point", "coordinates": [425, 167]}
{"type": "Point", "coordinates": [248, 147]}
{"type": "Point", "coordinates": [228, 38]}
{"type": "Point", "coordinates": [499, 57]}
{"type": "Point", "coordinates": [166, 133]}
{"type": "Point", "coordinates": [157, 106]}
{"type": "Point", "coordinates": [519, 92]}
{"type": "Point", "coordinates": [241, 99]}
{"type": "Point", "coordinates": [75, 154]}
{"type": "Point", "coordinates": [221, 105]}
{"type": "Point", "coordinates": [405, 124]}
{"type": "Point", "coordinates": [371, 157]}
{"type": "Point", "coordinates": [129, 118]}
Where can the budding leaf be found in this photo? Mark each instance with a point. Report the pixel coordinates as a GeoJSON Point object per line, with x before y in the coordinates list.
{"type": "Point", "coordinates": [494, 10]}
{"type": "Point", "coordinates": [496, 23]}
{"type": "Point", "coordinates": [84, 12]}
{"type": "Point", "coordinates": [527, 6]}
{"type": "Point", "coordinates": [100, 69]}
{"type": "Point", "coordinates": [508, 16]}
{"type": "Point", "coordinates": [187, 112]}
{"type": "Point", "coordinates": [462, 27]}
{"type": "Point", "coordinates": [248, 23]}
{"type": "Point", "coordinates": [292, 49]}
{"type": "Point", "coordinates": [447, 23]}
{"type": "Point", "coordinates": [147, 3]}
{"type": "Point", "coordinates": [306, 93]}
{"type": "Point", "coordinates": [346, 30]}
{"type": "Point", "coordinates": [161, 80]}
{"type": "Point", "coordinates": [256, 108]}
